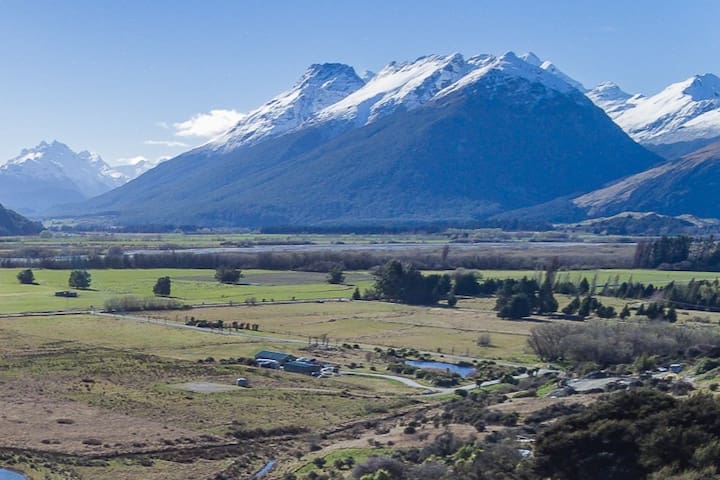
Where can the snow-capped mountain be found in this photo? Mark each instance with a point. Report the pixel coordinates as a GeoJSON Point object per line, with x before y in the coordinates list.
{"type": "Point", "coordinates": [320, 86]}
{"type": "Point", "coordinates": [550, 67]}
{"type": "Point", "coordinates": [333, 94]}
{"type": "Point", "coordinates": [441, 138]}
{"type": "Point", "coordinates": [51, 173]}
{"type": "Point", "coordinates": [682, 118]}
{"type": "Point", "coordinates": [135, 167]}
{"type": "Point", "coordinates": [398, 85]}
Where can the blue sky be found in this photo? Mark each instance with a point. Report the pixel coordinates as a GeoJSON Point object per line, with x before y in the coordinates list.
{"type": "Point", "coordinates": [121, 77]}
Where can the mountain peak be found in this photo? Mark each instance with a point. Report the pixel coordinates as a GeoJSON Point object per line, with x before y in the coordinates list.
{"type": "Point", "coordinates": [321, 85]}
{"type": "Point", "coordinates": [531, 58]}
{"type": "Point", "coordinates": [682, 117]}
{"type": "Point", "coordinates": [318, 73]}
{"type": "Point", "coordinates": [52, 173]}
{"type": "Point", "coordinates": [703, 87]}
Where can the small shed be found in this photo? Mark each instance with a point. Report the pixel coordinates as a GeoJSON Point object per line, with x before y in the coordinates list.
{"type": "Point", "coordinates": [307, 368]}
{"type": "Point", "coordinates": [281, 358]}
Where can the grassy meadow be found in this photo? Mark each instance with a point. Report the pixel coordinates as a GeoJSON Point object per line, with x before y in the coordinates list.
{"type": "Point", "coordinates": [190, 286]}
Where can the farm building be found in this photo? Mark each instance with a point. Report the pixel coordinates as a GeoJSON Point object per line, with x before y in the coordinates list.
{"type": "Point", "coordinates": [308, 368]}
{"type": "Point", "coordinates": [281, 358]}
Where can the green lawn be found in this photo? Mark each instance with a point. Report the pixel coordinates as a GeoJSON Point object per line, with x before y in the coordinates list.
{"type": "Point", "coordinates": [191, 286]}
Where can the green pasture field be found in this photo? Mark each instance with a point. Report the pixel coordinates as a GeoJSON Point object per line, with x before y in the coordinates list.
{"type": "Point", "coordinates": [657, 277]}
{"type": "Point", "coordinates": [190, 286]}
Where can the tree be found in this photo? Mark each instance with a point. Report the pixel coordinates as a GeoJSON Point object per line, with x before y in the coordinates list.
{"type": "Point", "coordinates": [671, 315]}
{"type": "Point", "coordinates": [584, 286]}
{"type": "Point", "coordinates": [466, 283]}
{"type": "Point", "coordinates": [26, 277]}
{"type": "Point", "coordinates": [356, 294]}
{"type": "Point", "coordinates": [546, 300]}
{"type": "Point", "coordinates": [162, 287]}
{"type": "Point", "coordinates": [79, 279]}
{"type": "Point", "coordinates": [572, 307]}
{"type": "Point", "coordinates": [224, 274]}
{"type": "Point", "coordinates": [336, 275]}
{"type": "Point", "coordinates": [518, 307]}
{"type": "Point", "coordinates": [395, 282]}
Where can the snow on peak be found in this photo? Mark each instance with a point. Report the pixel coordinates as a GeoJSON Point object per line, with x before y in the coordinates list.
{"type": "Point", "coordinates": [510, 66]}
{"type": "Point", "coordinates": [407, 85]}
{"type": "Point", "coordinates": [367, 75]}
{"type": "Point", "coordinates": [531, 58]}
{"type": "Point", "coordinates": [335, 94]}
{"type": "Point", "coordinates": [683, 112]}
{"type": "Point", "coordinates": [56, 162]}
{"type": "Point", "coordinates": [550, 67]}
{"type": "Point", "coordinates": [321, 85]}
{"type": "Point", "coordinates": [702, 87]}
{"type": "Point", "coordinates": [611, 98]}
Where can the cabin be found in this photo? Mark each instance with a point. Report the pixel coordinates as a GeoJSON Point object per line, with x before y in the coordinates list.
{"type": "Point", "coordinates": [281, 358]}
{"type": "Point", "coordinates": [308, 368]}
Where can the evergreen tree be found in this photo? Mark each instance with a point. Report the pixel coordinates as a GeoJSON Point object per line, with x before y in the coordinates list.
{"type": "Point", "coordinates": [517, 307]}
{"type": "Point", "coordinates": [584, 286]}
{"type": "Point", "coordinates": [336, 275]}
{"type": "Point", "coordinates": [572, 307]}
{"type": "Point", "coordinates": [162, 287]}
{"type": "Point", "coordinates": [546, 300]}
{"type": "Point", "coordinates": [26, 277]}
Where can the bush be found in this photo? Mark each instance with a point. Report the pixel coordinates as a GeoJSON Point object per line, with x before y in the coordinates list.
{"type": "Point", "coordinates": [225, 274]}
{"type": "Point", "coordinates": [336, 275]}
{"type": "Point", "coordinates": [132, 303]}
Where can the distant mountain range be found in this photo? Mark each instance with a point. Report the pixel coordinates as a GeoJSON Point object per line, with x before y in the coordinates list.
{"type": "Point", "coordinates": [51, 174]}
{"type": "Point", "coordinates": [439, 139]}
{"type": "Point", "coordinates": [682, 118]}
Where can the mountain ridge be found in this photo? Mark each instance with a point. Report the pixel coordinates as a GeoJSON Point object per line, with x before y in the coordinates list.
{"type": "Point", "coordinates": [502, 135]}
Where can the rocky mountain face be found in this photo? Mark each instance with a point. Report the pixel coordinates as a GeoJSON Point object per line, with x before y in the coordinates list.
{"type": "Point", "coordinates": [12, 223]}
{"type": "Point", "coordinates": [688, 185]}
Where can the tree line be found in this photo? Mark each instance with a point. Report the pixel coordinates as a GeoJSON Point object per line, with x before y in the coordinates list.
{"type": "Point", "coordinates": [678, 253]}
{"type": "Point", "coordinates": [440, 259]}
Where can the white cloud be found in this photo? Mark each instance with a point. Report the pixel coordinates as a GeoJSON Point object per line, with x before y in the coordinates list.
{"type": "Point", "coordinates": [166, 143]}
{"type": "Point", "coordinates": [208, 125]}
